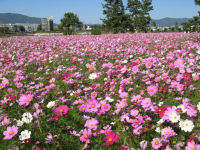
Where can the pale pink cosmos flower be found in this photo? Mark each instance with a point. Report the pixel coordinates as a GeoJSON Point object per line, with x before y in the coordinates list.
{"type": "Point", "coordinates": [123, 95]}
{"type": "Point", "coordinates": [156, 143]}
{"type": "Point", "coordinates": [143, 145]}
{"type": "Point", "coordinates": [191, 146]}
{"type": "Point", "coordinates": [10, 132]}
{"type": "Point", "coordinates": [168, 132]}
{"type": "Point", "coordinates": [91, 124]}
{"type": "Point", "coordinates": [25, 100]}
{"type": "Point", "coordinates": [146, 103]}
{"type": "Point", "coordinates": [152, 90]}
{"type": "Point", "coordinates": [135, 69]}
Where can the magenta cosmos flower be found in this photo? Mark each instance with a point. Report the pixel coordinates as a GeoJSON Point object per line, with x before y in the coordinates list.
{"type": "Point", "coordinates": [86, 136]}
{"type": "Point", "coordinates": [61, 110]}
{"type": "Point", "coordinates": [111, 138]}
{"type": "Point", "coordinates": [152, 90]}
{"type": "Point", "coordinates": [10, 132]}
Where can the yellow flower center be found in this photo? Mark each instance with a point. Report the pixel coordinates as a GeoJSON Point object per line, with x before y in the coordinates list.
{"type": "Point", "coordinates": [29, 99]}
{"type": "Point", "coordinates": [27, 118]}
{"type": "Point", "coordinates": [61, 110]}
{"type": "Point", "coordinates": [187, 124]}
{"type": "Point", "coordinates": [93, 105]}
{"type": "Point", "coordinates": [86, 137]}
{"type": "Point", "coordinates": [11, 133]}
{"type": "Point", "coordinates": [92, 125]}
{"type": "Point", "coordinates": [168, 132]}
{"type": "Point", "coordinates": [83, 108]}
{"type": "Point", "coordinates": [157, 143]}
{"type": "Point", "coordinates": [110, 139]}
{"type": "Point", "coordinates": [105, 107]}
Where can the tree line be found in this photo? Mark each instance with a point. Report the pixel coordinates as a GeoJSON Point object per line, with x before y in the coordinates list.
{"type": "Point", "coordinates": [134, 17]}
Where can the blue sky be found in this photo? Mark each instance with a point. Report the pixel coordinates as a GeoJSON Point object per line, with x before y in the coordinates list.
{"type": "Point", "coordinates": [90, 11]}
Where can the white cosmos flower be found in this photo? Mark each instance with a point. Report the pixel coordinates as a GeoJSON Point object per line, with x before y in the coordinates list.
{"type": "Point", "coordinates": [160, 104]}
{"type": "Point", "coordinates": [27, 117]}
{"type": "Point", "coordinates": [109, 99]}
{"type": "Point", "coordinates": [19, 123]}
{"type": "Point", "coordinates": [51, 104]}
{"type": "Point", "coordinates": [186, 125]}
{"type": "Point", "coordinates": [184, 110]}
{"type": "Point", "coordinates": [158, 130]}
{"type": "Point", "coordinates": [25, 135]}
{"type": "Point", "coordinates": [174, 117]}
{"type": "Point", "coordinates": [125, 61]}
{"type": "Point", "coordinates": [160, 121]}
{"type": "Point", "coordinates": [93, 76]}
{"type": "Point", "coordinates": [198, 106]}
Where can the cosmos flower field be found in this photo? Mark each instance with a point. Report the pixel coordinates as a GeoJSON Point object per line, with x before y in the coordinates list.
{"type": "Point", "coordinates": [106, 92]}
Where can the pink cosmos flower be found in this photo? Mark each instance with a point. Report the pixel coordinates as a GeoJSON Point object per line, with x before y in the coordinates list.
{"type": "Point", "coordinates": [83, 107]}
{"type": "Point", "coordinates": [61, 110]}
{"type": "Point", "coordinates": [10, 132]}
{"type": "Point", "coordinates": [135, 69]}
{"type": "Point", "coordinates": [25, 100]}
{"type": "Point", "coordinates": [92, 124]}
{"type": "Point", "coordinates": [191, 146]}
{"type": "Point", "coordinates": [195, 77]}
{"type": "Point", "coordinates": [152, 90]}
{"type": "Point", "coordinates": [93, 95]}
{"type": "Point", "coordinates": [192, 112]}
{"type": "Point", "coordinates": [143, 145]}
{"type": "Point", "coordinates": [6, 121]}
{"type": "Point", "coordinates": [5, 82]}
{"type": "Point", "coordinates": [156, 143]}
{"type": "Point", "coordinates": [134, 112]}
{"type": "Point", "coordinates": [105, 107]}
{"type": "Point", "coordinates": [86, 136]}
{"type": "Point", "coordinates": [146, 103]}
{"type": "Point", "coordinates": [93, 106]}
{"type": "Point", "coordinates": [168, 132]}
{"type": "Point", "coordinates": [124, 95]}
{"type": "Point", "coordinates": [157, 79]}
{"type": "Point", "coordinates": [111, 138]}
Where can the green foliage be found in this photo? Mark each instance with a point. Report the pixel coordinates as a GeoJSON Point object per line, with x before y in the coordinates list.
{"type": "Point", "coordinates": [4, 30]}
{"type": "Point", "coordinates": [192, 25]}
{"type": "Point", "coordinates": [197, 2]}
{"type": "Point", "coordinates": [21, 28]}
{"type": "Point", "coordinates": [116, 20]}
{"type": "Point", "coordinates": [139, 13]}
{"type": "Point", "coordinates": [96, 32]}
{"type": "Point", "coordinates": [39, 28]}
{"type": "Point", "coordinates": [70, 23]}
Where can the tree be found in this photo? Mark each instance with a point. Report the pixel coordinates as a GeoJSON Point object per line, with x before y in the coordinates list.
{"type": "Point", "coordinates": [70, 23]}
{"type": "Point", "coordinates": [116, 20]}
{"type": "Point", "coordinates": [139, 12]}
{"type": "Point", "coordinates": [176, 26]}
{"type": "Point", "coordinates": [39, 27]}
{"type": "Point", "coordinates": [193, 24]}
{"type": "Point", "coordinates": [21, 28]}
{"type": "Point", "coordinates": [197, 2]}
{"type": "Point", "coordinates": [154, 26]}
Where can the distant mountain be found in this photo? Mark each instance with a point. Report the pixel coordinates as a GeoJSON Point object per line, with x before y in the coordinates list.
{"type": "Point", "coordinates": [12, 18]}
{"type": "Point", "coordinates": [167, 22]}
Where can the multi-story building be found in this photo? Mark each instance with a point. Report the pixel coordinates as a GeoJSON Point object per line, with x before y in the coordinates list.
{"type": "Point", "coordinates": [47, 24]}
